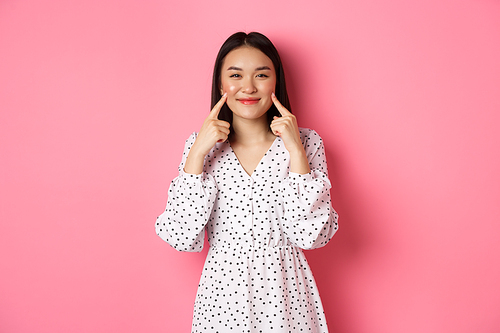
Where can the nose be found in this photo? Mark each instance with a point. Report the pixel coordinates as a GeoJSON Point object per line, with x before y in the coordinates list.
{"type": "Point", "coordinates": [248, 86]}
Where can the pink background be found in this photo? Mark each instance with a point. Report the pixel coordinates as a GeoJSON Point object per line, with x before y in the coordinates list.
{"type": "Point", "coordinates": [97, 98]}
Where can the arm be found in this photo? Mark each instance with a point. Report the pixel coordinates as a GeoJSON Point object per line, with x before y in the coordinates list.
{"type": "Point", "coordinates": [192, 194]}
{"type": "Point", "coordinates": [286, 127]}
{"type": "Point", "coordinates": [309, 219]}
{"type": "Point", "coordinates": [189, 205]}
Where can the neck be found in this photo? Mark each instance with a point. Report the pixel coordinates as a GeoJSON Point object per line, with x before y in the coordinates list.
{"type": "Point", "coordinates": [251, 131]}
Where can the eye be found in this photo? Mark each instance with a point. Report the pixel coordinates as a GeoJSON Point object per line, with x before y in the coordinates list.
{"type": "Point", "coordinates": [235, 75]}
{"type": "Point", "coordinates": [262, 75]}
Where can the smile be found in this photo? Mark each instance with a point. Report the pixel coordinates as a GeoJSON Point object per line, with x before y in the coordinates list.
{"type": "Point", "coordinates": [249, 101]}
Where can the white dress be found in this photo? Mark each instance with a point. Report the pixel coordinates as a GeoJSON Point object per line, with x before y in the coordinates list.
{"type": "Point", "coordinates": [256, 277]}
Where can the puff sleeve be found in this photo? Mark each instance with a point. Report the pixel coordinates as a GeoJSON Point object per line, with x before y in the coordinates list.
{"type": "Point", "coordinates": [189, 205]}
{"type": "Point", "coordinates": [309, 219]}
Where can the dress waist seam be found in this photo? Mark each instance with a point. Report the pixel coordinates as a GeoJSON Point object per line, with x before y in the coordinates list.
{"type": "Point", "coordinates": [250, 247]}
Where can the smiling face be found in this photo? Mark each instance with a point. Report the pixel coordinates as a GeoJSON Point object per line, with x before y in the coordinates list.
{"type": "Point", "coordinates": [249, 78]}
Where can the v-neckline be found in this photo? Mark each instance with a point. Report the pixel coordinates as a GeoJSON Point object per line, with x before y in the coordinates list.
{"type": "Point", "coordinates": [260, 161]}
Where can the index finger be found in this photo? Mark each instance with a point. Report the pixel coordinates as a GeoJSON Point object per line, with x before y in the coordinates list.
{"type": "Point", "coordinates": [281, 109]}
{"type": "Point", "coordinates": [216, 109]}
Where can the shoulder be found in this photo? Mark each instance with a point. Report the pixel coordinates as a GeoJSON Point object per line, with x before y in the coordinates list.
{"type": "Point", "coordinates": [311, 141]}
{"type": "Point", "coordinates": [188, 143]}
{"type": "Point", "coordinates": [191, 139]}
{"type": "Point", "coordinates": [307, 135]}
{"type": "Point", "coordinates": [193, 136]}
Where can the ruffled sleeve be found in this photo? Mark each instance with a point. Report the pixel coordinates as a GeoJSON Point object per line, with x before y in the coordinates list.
{"type": "Point", "coordinates": [309, 218]}
{"type": "Point", "coordinates": [189, 205]}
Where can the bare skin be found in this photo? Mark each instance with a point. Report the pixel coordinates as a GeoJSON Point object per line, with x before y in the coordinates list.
{"type": "Point", "coordinates": [251, 141]}
{"type": "Point", "coordinates": [286, 127]}
{"type": "Point", "coordinates": [212, 131]}
{"type": "Point", "coordinates": [248, 80]}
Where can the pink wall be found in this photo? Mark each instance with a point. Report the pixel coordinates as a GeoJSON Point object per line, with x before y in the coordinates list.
{"type": "Point", "coordinates": [97, 97]}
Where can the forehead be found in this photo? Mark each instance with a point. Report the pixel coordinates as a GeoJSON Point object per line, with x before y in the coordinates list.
{"type": "Point", "coordinates": [246, 58]}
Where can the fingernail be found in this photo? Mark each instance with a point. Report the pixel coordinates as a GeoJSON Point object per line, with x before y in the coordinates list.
{"type": "Point", "coordinates": [273, 94]}
{"type": "Point", "coordinates": [225, 94]}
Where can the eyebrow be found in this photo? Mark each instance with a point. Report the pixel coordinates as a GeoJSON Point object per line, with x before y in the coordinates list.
{"type": "Point", "coordinates": [262, 68]}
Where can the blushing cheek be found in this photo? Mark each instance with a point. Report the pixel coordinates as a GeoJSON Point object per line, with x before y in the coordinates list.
{"type": "Point", "coordinates": [270, 88]}
{"type": "Point", "coordinates": [231, 89]}
{"type": "Point", "coordinates": [228, 86]}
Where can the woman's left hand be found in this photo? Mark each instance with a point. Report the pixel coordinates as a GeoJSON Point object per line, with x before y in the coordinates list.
{"type": "Point", "coordinates": [286, 127]}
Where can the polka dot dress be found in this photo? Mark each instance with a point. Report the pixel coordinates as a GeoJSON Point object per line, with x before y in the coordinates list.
{"type": "Point", "coordinates": [256, 277]}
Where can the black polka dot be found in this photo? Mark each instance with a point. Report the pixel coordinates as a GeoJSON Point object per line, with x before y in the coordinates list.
{"type": "Point", "coordinates": [256, 277]}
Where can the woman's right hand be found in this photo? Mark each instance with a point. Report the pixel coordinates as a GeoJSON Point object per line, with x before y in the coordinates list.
{"type": "Point", "coordinates": [212, 131]}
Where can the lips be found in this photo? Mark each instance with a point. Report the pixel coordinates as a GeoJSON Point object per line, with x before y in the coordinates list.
{"type": "Point", "coordinates": [248, 101]}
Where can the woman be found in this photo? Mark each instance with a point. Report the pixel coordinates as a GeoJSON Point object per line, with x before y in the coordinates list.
{"type": "Point", "coordinates": [258, 185]}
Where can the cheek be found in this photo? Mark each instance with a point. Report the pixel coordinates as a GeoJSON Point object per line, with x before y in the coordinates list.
{"type": "Point", "coordinates": [228, 87]}
{"type": "Point", "coordinates": [231, 90]}
{"type": "Point", "coordinates": [268, 87]}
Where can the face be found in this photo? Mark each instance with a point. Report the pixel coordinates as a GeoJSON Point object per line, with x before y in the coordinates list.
{"type": "Point", "coordinates": [249, 78]}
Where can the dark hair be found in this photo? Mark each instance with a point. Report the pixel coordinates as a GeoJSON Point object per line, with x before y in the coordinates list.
{"type": "Point", "coordinates": [262, 43]}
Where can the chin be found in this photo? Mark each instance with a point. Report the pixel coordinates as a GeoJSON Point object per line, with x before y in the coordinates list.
{"type": "Point", "coordinates": [248, 112]}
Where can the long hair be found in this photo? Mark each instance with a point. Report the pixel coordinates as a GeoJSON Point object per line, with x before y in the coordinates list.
{"type": "Point", "coordinates": [262, 43]}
